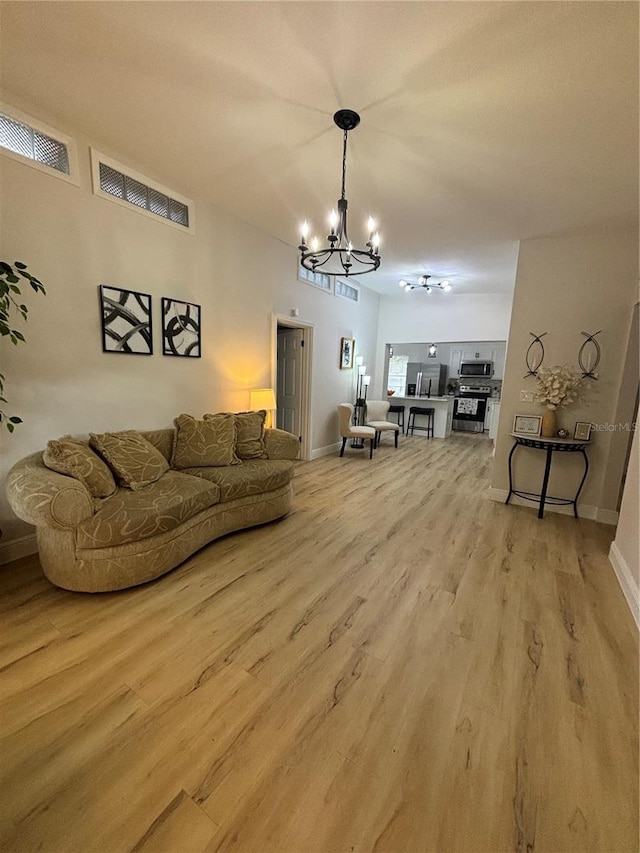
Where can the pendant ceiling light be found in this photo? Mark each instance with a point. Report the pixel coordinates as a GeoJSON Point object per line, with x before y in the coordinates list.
{"type": "Point", "coordinates": [337, 256]}
{"type": "Point", "coordinates": [423, 281]}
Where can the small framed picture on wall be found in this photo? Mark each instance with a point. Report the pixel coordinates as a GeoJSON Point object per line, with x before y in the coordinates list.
{"type": "Point", "coordinates": [347, 346]}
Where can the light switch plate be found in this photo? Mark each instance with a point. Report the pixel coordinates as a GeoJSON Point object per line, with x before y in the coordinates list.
{"type": "Point", "coordinates": [526, 396]}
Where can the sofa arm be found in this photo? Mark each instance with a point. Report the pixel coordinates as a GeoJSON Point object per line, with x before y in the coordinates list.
{"type": "Point", "coordinates": [44, 498]}
{"type": "Point", "coordinates": [281, 444]}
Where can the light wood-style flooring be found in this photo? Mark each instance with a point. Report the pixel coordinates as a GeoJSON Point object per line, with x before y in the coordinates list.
{"type": "Point", "coordinates": [400, 665]}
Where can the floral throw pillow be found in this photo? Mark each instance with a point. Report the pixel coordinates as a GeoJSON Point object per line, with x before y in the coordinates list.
{"type": "Point", "coordinates": [75, 458]}
{"type": "Point", "coordinates": [204, 443]}
{"type": "Point", "coordinates": [134, 460]}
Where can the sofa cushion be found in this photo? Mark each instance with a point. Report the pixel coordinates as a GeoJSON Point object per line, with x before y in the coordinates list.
{"type": "Point", "coordinates": [252, 477]}
{"type": "Point", "coordinates": [159, 507]}
{"type": "Point", "coordinates": [134, 460]}
{"type": "Point", "coordinates": [75, 458]}
{"type": "Point", "coordinates": [209, 442]}
{"type": "Point", "coordinates": [249, 434]}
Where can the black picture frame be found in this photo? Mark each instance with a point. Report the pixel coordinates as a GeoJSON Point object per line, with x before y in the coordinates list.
{"type": "Point", "coordinates": [181, 328]}
{"type": "Point", "coordinates": [582, 431]}
{"type": "Point", "coordinates": [126, 321]}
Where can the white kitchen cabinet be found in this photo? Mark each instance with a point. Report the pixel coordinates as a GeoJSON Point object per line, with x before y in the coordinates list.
{"type": "Point", "coordinates": [478, 352]}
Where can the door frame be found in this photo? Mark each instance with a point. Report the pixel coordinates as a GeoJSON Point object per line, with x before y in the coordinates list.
{"type": "Point", "coordinates": [306, 373]}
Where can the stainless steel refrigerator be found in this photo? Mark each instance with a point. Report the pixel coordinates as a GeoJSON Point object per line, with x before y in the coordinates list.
{"type": "Point", "coordinates": [426, 380]}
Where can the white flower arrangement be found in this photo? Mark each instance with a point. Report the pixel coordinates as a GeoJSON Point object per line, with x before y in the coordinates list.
{"type": "Point", "coordinates": [558, 386]}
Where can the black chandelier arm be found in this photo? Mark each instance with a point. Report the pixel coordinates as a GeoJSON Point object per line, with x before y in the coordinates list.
{"type": "Point", "coordinates": [314, 261]}
{"type": "Point", "coordinates": [342, 220]}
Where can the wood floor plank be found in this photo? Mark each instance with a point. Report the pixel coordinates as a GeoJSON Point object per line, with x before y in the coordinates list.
{"type": "Point", "coordinates": [401, 665]}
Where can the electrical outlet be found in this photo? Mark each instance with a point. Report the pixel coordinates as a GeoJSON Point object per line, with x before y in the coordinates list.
{"type": "Point", "coordinates": [526, 396]}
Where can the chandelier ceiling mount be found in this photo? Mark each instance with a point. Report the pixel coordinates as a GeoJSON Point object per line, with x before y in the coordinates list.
{"type": "Point", "coordinates": [337, 256]}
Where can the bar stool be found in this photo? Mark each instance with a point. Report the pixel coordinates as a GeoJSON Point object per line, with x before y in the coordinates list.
{"type": "Point", "coordinates": [411, 423]}
{"type": "Point", "coordinates": [399, 411]}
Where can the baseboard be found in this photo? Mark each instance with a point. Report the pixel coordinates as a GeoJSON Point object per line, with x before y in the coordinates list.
{"type": "Point", "coordinates": [604, 516]}
{"type": "Point", "coordinates": [607, 516]}
{"type": "Point", "coordinates": [626, 581]}
{"type": "Point", "coordinates": [17, 548]}
{"type": "Point", "coordinates": [326, 451]}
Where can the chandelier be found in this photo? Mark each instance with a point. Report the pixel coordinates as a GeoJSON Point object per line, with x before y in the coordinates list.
{"type": "Point", "coordinates": [423, 281]}
{"type": "Point", "coordinates": [338, 257]}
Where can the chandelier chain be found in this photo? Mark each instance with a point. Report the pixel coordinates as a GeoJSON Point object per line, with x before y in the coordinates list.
{"type": "Point", "coordinates": [344, 164]}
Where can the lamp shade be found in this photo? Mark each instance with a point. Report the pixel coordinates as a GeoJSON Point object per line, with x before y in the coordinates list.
{"type": "Point", "coordinates": [262, 398]}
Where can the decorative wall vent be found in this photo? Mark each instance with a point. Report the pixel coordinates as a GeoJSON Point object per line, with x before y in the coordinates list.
{"type": "Point", "coordinates": [29, 141]}
{"type": "Point", "coordinates": [116, 182]}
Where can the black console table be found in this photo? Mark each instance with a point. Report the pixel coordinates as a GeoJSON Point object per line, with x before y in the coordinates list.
{"type": "Point", "coordinates": [559, 445]}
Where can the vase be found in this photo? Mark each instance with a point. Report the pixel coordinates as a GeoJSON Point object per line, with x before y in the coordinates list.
{"type": "Point", "coordinates": [549, 424]}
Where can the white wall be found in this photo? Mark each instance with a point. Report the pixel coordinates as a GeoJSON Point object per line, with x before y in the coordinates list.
{"type": "Point", "coordinates": [61, 382]}
{"type": "Point", "coordinates": [415, 317]}
{"type": "Point", "coordinates": [565, 286]}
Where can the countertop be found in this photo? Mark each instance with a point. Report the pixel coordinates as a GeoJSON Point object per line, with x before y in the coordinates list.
{"type": "Point", "coordinates": [420, 399]}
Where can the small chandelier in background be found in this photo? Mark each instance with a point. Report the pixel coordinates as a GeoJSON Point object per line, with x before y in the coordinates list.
{"type": "Point", "coordinates": [339, 257]}
{"type": "Point", "coordinates": [423, 281]}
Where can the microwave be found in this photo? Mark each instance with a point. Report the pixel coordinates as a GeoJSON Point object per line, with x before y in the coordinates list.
{"type": "Point", "coordinates": [481, 369]}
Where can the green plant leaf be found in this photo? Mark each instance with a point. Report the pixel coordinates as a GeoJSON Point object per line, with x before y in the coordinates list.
{"type": "Point", "coordinates": [20, 265]}
{"type": "Point", "coordinates": [10, 427]}
{"type": "Point", "coordinates": [15, 420]}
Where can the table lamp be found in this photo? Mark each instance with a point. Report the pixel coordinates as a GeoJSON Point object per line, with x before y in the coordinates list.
{"type": "Point", "coordinates": [263, 398]}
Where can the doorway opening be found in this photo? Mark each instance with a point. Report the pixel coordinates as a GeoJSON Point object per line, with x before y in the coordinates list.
{"type": "Point", "coordinates": [292, 354]}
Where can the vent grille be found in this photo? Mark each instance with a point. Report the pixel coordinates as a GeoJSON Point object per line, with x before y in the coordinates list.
{"type": "Point", "coordinates": [31, 143]}
{"type": "Point", "coordinates": [135, 192]}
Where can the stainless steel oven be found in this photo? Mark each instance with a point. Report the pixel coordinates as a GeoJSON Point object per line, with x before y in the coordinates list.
{"type": "Point", "coordinates": [470, 408]}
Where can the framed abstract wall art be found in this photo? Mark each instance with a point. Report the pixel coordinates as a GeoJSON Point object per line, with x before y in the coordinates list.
{"type": "Point", "coordinates": [126, 321]}
{"type": "Point", "coordinates": [180, 328]}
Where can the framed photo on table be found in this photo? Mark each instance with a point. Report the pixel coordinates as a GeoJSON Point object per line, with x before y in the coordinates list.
{"type": "Point", "coordinates": [527, 424]}
{"type": "Point", "coordinates": [347, 346]}
{"type": "Point", "coordinates": [582, 431]}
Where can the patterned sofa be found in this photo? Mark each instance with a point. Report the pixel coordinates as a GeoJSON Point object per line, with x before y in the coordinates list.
{"type": "Point", "coordinates": [97, 533]}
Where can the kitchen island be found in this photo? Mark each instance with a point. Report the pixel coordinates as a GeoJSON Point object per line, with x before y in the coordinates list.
{"type": "Point", "coordinates": [443, 412]}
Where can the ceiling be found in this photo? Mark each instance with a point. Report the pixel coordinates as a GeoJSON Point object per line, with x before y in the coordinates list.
{"type": "Point", "coordinates": [482, 123]}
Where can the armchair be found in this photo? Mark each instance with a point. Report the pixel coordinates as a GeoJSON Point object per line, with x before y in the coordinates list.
{"type": "Point", "coordinates": [376, 417]}
{"type": "Point", "coordinates": [347, 430]}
